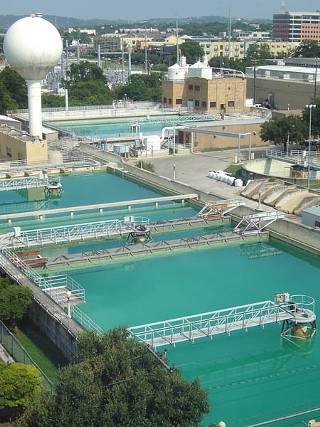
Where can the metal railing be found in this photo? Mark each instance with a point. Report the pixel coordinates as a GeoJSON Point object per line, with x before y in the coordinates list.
{"type": "Point", "coordinates": [69, 233]}
{"type": "Point", "coordinates": [223, 321]}
{"type": "Point", "coordinates": [84, 320]}
{"type": "Point", "coordinates": [44, 283]}
{"type": "Point", "coordinates": [19, 354]}
{"type": "Point", "coordinates": [297, 157]}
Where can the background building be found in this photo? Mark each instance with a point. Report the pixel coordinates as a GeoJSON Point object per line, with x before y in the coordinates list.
{"type": "Point", "coordinates": [200, 88]}
{"type": "Point", "coordinates": [296, 26]}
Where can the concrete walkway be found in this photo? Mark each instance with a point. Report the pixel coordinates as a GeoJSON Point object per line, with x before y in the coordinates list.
{"type": "Point", "coordinates": [193, 169]}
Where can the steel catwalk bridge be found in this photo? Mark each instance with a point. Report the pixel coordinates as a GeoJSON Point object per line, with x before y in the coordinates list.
{"type": "Point", "coordinates": [299, 309]}
{"type": "Point", "coordinates": [9, 184]}
{"type": "Point", "coordinates": [70, 233]}
{"type": "Point", "coordinates": [56, 286]}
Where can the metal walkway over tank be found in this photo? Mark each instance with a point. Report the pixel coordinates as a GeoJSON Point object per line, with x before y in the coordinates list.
{"type": "Point", "coordinates": [257, 222]}
{"type": "Point", "coordinates": [70, 233]}
{"type": "Point", "coordinates": [61, 288]}
{"type": "Point", "coordinates": [150, 248]}
{"type": "Point", "coordinates": [219, 208]}
{"type": "Point", "coordinates": [298, 309]}
{"type": "Point", "coordinates": [41, 180]}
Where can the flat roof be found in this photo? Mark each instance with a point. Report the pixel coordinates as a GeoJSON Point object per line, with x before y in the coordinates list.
{"type": "Point", "coordinates": [314, 210]}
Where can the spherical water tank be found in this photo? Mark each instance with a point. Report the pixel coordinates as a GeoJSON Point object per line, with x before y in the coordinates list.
{"type": "Point", "coordinates": [32, 46]}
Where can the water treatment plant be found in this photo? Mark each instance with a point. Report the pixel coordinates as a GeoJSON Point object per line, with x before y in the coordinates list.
{"type": "Point", "coordinates": [225, 283]}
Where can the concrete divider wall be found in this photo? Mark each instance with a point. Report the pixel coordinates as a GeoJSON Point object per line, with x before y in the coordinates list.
{"type": "Point", "coordinates": [295, 233]}
{"type": "Point", "coordinates": [56, 330]}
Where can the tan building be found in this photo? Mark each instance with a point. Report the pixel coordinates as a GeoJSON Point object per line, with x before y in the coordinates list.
{"type": "Point", "coordinates": [221, 48]}
{"type": "Point", "coordinates": [16, 145]}
{"type": "Point", "coordinates": [198, 88]}
{"type": "Point", "coordinates": [223, 134]}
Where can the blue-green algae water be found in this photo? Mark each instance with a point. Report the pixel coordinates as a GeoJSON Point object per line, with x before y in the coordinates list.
{"type": "Point", "coordinates": [250, 376]}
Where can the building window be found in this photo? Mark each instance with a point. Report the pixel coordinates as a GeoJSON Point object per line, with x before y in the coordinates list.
{"type": "Point", "coordinates": [178, 101]}
{"type": "Point", "coordinates": [190, 87]}
{"type": "Point", "coordinates": [164, 100]}
{"type": "Point", "coordinates": [204, 104]}
{"type": "Point", "coordinates": [197, 88]}
{"type": "Point", "coordinates": [9, 152]}
{"type": "Point", "coordinates": [230, 103]}
{"type": "Point", "coordinates": [213, 105]}
{"type": "Point", "coordinates": [197, 103]}
{"type": "Point", "coordinates": [170, 101]}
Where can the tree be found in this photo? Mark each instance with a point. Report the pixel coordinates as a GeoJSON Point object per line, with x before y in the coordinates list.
{"type": "Point", "coordinates": [87, 85]}
{"type": "Point", "coordinates": [13, 90]}
{"type": "Point", "coordinates": [258, 52]}
{"type": "Point", "coordinates": [118, 382]}
{"type": "Point", "coordinates": [192, 51]}
{"type": "Point", "coordinates": [92, 92]}
{"type": "Point", "coordinates": [281, 130]}
{"type": "Point", "coordinates": [83, 72]}
{"type": "Point", "coordinates": [225, 62]}
{"type": "Point", "coordinates": [307, 49]}
{"type": "Point", "coordinates": [49, 100]}
{"type": "Point", "coordinates": [20, 387]}
{"type": "Point", "coordinates": [14, 300]}
{"type": "Point", "coordinates": [142, 87]}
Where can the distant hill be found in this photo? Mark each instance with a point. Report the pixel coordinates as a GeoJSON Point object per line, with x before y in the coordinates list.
{"type": "Point", "coordinates": [65, 22]}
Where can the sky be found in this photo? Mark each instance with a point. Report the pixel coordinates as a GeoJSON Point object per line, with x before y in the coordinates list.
{"type": "Point", "coordinates": [144, 9]}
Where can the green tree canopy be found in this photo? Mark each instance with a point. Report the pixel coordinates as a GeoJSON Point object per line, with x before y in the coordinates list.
{"type": "Point", "coordinates": [83, 72]}
{"type": "Point", "coordinates": [307, 49]}
{"type": "Point", "coordinates": [258, 53]}
{"type": "Point", "coordinates": [14, 300]}
{"type": "Point", "coordinates": [225, 62]}
{"type": "Point", "coordinates": [192, 51]}
{"type": "Point", "coordinates": [87, 85]}
{"type": "Point", "coordinates": [13, 90]}
{"type": "Point", "coordinates": [118, 382]}
{"type": "Point", "coordinates": [142, 87]}
{"type": "Point", "coordinates": [20, 385]}
{"type": "Point", "coordinates": [282, 129]}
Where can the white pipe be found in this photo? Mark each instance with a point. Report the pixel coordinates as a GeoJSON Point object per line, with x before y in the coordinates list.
{"type": "Point", "coordinates": [34, 105]}
{"type": "Point", "coordinates": [168, 128]}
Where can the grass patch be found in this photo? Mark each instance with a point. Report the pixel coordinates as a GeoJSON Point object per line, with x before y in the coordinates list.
{"type": "Point", "coordinates": [40, 348]}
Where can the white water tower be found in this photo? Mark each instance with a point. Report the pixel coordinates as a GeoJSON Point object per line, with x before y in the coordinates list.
{"type": "Point", "coordinates": [32, 46]}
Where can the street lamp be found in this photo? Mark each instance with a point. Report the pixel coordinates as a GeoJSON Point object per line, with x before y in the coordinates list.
{"type": "Point", "coordinates": [310, 106]}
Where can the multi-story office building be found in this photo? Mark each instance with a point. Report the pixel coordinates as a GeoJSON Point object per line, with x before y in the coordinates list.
{"type": "Point", "coordinates": [296, 26]}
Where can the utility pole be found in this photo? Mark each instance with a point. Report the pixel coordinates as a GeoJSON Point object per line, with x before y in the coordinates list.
{"type": "Point", "coordinates": [229, 36]}
{"type": "Point", "coordinates": [315, 81]}
{"type": "Point", "coordinates": [254, 81]}
{"type": "Point", "coordinates": [145, 50]}
{"type": "Point", "coordinates": [177, 41]}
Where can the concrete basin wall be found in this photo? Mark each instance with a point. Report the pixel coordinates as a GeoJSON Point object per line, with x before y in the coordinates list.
{"type": "Point", "coordinates": [268, 167]}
